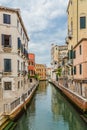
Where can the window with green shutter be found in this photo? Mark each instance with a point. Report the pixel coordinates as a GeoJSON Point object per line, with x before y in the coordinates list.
{"type": "Point", "coordinates": [7, 65]}
{"type": "Point", "coordinates": [6, 19]}
{"type": "Point", "coordinates": [82, 22]}
{"type": "Point", "coordinates": [74, 69]}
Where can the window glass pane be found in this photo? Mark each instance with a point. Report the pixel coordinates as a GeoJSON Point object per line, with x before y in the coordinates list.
{"type": "Point", "coordinates": [6, 40]}
{"type": "Point", "coordinates": [80, 68]}
{"type": "Point", "coordinates": [6, 18]}
{"type": "Point", "coordinates": [80, 49]}
{"type": "Point", "coordinates": [82, 22]}
{"type": "Point", "coordinates": [7, 65]}
{"type": "Point", "coordinates": [7, 85]}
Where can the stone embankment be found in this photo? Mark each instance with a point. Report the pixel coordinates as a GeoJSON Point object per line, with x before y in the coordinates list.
{"type": "Point", "coordinates": [78, 100]}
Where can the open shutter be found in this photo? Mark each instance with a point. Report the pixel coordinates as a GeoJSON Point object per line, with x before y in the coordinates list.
{"type": "Point", "coordinates": [3, 39]}
{"type": "Point", "coordinates": [10, 40]}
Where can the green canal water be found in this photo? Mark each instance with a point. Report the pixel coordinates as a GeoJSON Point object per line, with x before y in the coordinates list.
{"type": "Point", "coordinates": [49, 110]}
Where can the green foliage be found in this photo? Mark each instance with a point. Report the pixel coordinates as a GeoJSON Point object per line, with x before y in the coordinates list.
{"type": "Point", "coordinates": [36, 76]}
{"type": "Point", "coordinates": [29, 76]}
{"type": "Point", "coordinates": [58, 73]}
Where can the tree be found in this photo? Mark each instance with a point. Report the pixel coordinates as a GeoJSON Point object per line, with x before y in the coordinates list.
{"type": "Point", "coordinates": [59, 71]}
{"type": "Point", "coordinates": [36, 77]}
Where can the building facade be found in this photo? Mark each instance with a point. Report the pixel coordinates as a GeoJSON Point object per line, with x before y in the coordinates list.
{"type": "Point", "coordinates": [80, 68]}
{"type": "Point", "coordinates": [40, 70]}
{"type": "Point", "coordinates": [77, 30]}
{"type": "Point", "coordinates": [13, 52]}
{"type": "Point", "coordinates": [31, 66]}
{"type": "Point", "coordinates": [54, 60]}
{"type": "Point", "coordinates": [57, 55]}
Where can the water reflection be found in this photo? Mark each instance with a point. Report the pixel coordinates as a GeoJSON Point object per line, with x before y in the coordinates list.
{"type": "Point", "coordinates": [62, 109]}
{"type": "Point", "coordinates": [49, 110]}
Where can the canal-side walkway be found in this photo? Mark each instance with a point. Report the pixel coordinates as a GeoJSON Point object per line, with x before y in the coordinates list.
{"type": "Point", "coordinates": [12, 107]}
{"type": "Point", "coordinates": [76, 99]}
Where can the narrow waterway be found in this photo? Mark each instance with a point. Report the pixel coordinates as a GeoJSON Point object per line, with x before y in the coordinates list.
{"type": "Point", "coordinates": [49, 110]}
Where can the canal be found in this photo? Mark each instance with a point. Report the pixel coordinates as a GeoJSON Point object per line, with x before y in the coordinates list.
{"type": "Point", "coordinates": [49, 110]}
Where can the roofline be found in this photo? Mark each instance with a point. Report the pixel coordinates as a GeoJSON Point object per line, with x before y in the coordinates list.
{"type": "Point", "coordinates": [31, 53]}
{"type": "Point", "coordinates": [68, 6]}
{"type": "Point", "coordinates": [83, 39]}
{"type": "Point", "coordinates": [17, 11]}
{"type": "Point", "coordinates": [40, 64]}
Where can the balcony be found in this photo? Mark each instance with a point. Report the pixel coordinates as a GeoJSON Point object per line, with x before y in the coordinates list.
{"type": "Point", "coordinates": [24, 72]}
{"type": "Point", "coordinates": [70, 62]}
{"type": "Point", "coordinates": [7, 73]}
{"type": "Point", "coordinates": [7, 48]}
{"type": "Point", "coordinates": [70, 35]}
{"type": "Point", "coordinates": [67, 40]}
{"type": "Point", "coordinates": [19, 72]}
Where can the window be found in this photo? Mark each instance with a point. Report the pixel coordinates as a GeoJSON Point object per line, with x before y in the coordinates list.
{"type": "Point", "coordinates": [19, 43]}
{"type": "Point", "coordinates": [70, 54]}
{"type": "Point", "coordinates": [74, 54]}
{"type": "Point", "coordinates": [21, 31]}
{"type": "Point", "coordinates": [7, 85]}
{"type": "Point", "coordinates": [7, 65]}
{"type": "Point", "coordinates": [18, 65]}
{"type": "Point", "coordinates": [71, 71]}
{"type": "Point", "coordinates": [74, 69]}
{"type": "Point", "coordinates": [82, 22]}
{"type": "Point", "coordinates": [18, 84]}
{"type": "Point", "coordinates": [80, 49]}
{"type": "Point", "coordinates": [6, 19]}
{"type": "Point", "coordinates": [6, 40]}
{"type": "Point", "coordinates": [17, 23]}
{"type": "Point", "coordinates": [80, 69]}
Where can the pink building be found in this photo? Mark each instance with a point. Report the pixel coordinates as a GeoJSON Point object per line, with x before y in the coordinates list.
{"type": "Point", "coordinates": [80, 67]}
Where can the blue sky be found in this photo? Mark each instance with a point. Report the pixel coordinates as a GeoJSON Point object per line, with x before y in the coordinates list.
{"type": "Point", "coordinates": [46, 23]}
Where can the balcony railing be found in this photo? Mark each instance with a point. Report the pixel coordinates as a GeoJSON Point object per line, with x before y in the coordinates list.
{"type": "Point", "coordinates": [70, 34]}
{"type": "Point", "coordinates": [70, 62]}
{"type": "Point", "coordinates": [67, 40]}
{"type": "Point", "coordinates": [7, 72]}
{"type": "Point", "coordinates": [7, 48]}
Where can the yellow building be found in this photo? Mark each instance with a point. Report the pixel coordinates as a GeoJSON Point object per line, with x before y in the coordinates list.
{"type": "Point", "coordinates": [77, 30]}
{"type": "Point", "coordinates": [40, 70]}
{"type": "Point", "coordinates": [77, 13]}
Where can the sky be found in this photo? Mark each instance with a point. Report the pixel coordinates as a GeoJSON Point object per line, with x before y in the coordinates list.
{"type": "Point", "coordinates": [45, 22]}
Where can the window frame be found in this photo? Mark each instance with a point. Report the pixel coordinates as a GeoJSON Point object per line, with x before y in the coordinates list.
{"type": "Point", "coordinates": [6, 18]}
{"type": "Point", "coordinates": [9, 86]}
{"type": "Point", "coordinates": [80, 49]}
{"type": "Point", "coordinates": [7, 66]}
{"type": "Point", "coordinates": [82, 22]}
{"type": "Point", "coordinates": [8, 42]}
{"type": "Point", "coordinates": [80, 69]}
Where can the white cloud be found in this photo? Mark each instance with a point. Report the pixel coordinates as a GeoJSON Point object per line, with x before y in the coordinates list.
{"type": "Point", "coordinates": [38, 16]}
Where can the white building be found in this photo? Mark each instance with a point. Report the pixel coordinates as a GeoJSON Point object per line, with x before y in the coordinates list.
{"type": "Point", "coordinates": [57, 55]}
{"type": "Point", "coordinates": [54, 60]}
{"type": "Point", "coordinates": [13, 52]}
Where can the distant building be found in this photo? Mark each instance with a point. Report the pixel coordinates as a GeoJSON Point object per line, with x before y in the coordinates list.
{"type": "Point", "coordinates": [13, 52]}
{"type": "Point", "coordinates": [57, 55]}
{"type": "Point", "coordinates": [40, 70]}
{"type": "Point", "coordinates": [48, 73]}
{"type": "Point", "coordinates": [31, 66]}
